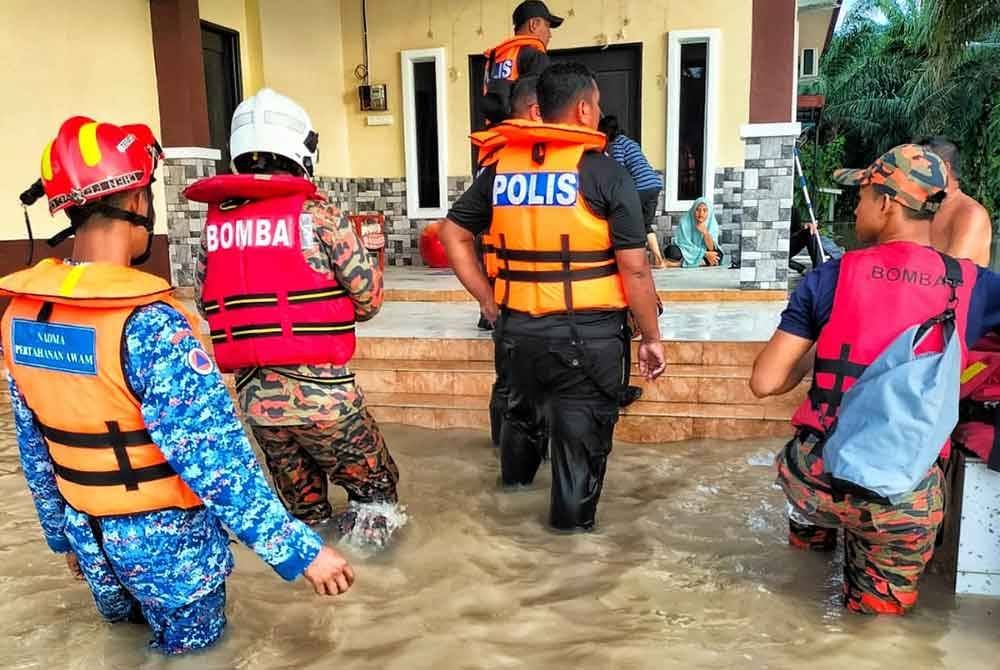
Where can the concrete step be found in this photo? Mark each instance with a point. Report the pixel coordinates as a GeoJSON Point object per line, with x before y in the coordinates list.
{"type": "Point", "coordinates": [643, 422]}
{"type": "Point", "coordinates": [679, 384]}
{"type": "Point", "coordinates": [677, 352]}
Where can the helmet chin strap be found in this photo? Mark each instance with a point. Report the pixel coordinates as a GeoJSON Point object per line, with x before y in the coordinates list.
{"type": "Point", "coordinates": [81, 214]}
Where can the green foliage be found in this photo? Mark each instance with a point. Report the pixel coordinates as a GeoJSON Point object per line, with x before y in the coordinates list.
{"type": "Point", "coordinates": [818, 166]}
{"type": "Point", "coordinates": [932, 67]}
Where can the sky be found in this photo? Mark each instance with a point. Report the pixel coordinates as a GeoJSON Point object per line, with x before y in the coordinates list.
{"type": "Point", "coordinates": [845, 7]}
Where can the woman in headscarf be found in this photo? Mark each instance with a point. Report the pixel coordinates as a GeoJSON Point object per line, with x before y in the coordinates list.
{"type": "Point", "coordinates": [696, 238]}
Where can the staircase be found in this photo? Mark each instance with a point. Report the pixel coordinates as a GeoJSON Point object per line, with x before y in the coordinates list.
{"type": "Point", "coordinates": [445, 383]}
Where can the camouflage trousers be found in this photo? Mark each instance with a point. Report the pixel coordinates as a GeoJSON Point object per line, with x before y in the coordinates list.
{"type": "Point", "coordinates": [350, 453]}
{"type": "Point", "coordinates": [886, 547]}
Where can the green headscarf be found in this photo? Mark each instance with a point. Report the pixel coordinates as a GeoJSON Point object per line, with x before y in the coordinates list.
{"type": "Point", "coordinates": [690, 241]}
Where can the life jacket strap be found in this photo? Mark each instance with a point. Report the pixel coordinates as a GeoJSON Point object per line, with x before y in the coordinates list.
{"type": "Point", "coordinates": [566, 276]}
{"type": "Point", "coordinates": [254, 330]}
{"type": "Point", "coordinates": [532, 256]}
{"type": "Point", "coordinates": [269, 299]}
{"type": "Point", "coordinates": [114, 478]}
{"type": "Point", "coordinates": [129, 438]}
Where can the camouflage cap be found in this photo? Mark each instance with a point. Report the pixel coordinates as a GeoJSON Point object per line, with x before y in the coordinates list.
{"type": "Point", "coordinates": [909, 174]}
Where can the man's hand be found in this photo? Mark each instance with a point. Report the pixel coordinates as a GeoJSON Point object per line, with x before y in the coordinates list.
{"type": "Point", "coordinates": [490, 311]}
{"type": "Point", "coordinates": [73, 563]}
{"type": "Point", "coordinates": [712, 257]}
{"type": "Point", "coordinates": [329, 573]}
{"type": "Point", "coordinates": [652, 361]}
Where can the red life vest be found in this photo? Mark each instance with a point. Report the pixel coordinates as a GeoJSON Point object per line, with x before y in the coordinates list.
{"type": "Point", "coordinates": [264, 303]}
{"type": "Point", "coordinates": [881, 291]}
{"type": "Point", "coordinates": [978, 427]}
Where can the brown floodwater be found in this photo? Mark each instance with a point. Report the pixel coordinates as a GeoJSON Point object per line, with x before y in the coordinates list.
{"type": "Point", "coordinates": [689, 569]}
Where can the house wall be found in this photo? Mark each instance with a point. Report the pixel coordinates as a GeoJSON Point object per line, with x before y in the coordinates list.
{"type": "Point", "coordinates": [813, 26]}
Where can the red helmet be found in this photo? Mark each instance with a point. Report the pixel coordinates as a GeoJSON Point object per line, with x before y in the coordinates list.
{"type": "Point", "coordinates": [89, 160]}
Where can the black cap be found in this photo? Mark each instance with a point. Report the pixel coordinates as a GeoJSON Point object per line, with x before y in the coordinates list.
{"type": "Point", "coordinates": [535, 9]}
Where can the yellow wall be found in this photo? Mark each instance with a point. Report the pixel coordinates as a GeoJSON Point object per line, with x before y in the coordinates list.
{"type": "Point", "coordinates": [813, 26]}
{"type": "Point", "coordinates": [394, 26]}
{"type": "Point", "coordinates": [90, 57]}
{"type": "Point", "coordinates": [303, 59]}
{"type": "Point", "coordinates": [241, 16]}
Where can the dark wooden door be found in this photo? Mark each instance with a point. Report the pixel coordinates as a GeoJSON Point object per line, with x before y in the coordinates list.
{"type": "Point", "coordinates": [223, 84]}
{"type": "Point", "coordinates": [619, 75]}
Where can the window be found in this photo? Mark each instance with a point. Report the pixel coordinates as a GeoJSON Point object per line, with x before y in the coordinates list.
{"type": "Point", "coordinates": [424, 124]}
{"type": "Point", "coordinates": [692, 103]}
{"type": "Point", "coordinates": [223, 83]}
{"type": "Point", "coordinates": [807, 66]}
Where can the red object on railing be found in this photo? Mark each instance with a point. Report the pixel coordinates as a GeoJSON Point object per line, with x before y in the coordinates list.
{"type": "Point", "coordinates": [371, 229]}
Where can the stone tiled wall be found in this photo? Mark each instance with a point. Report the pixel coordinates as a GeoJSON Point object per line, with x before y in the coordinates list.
{"type": "Point", "coordinates": [186, 219]}
{"type": "Point", "coordinates": [768, 183]}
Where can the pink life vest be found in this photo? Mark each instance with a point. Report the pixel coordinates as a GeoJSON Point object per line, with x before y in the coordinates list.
{"type": "Point", "coordinates": [881, 291]}
{"type": "Point", "coordinates": [265, 305]}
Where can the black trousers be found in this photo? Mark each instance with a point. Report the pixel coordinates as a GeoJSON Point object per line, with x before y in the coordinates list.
{"type": "Point", "coordinates": [576, 389]}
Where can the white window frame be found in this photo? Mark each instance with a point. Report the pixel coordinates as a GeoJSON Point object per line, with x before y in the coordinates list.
{"type": "Point", "coordinates": [802, 63]}
{"type": "Point", "coordinates": [675, 40]}
{"type": "Point", "coordinates": [407, 60]}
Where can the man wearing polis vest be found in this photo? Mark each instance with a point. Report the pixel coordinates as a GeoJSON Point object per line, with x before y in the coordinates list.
{"type": "Point", "coordinates": [850, 310]}
{"type": "Point", "coordinates": [522, 55]}
{"type": "Point", "coordinates": [127, 436]}
{"type": "Point", "coordinates": [282, 278]}
{"type": "Point", "coordinates": [570, 240]}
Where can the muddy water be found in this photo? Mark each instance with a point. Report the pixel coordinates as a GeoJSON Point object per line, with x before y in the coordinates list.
{"type": "Point", "coordinates": [688, 570]}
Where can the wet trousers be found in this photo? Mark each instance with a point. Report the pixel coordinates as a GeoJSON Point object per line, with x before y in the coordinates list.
{"type": "Point", "coordinates": [195, 625]}
{"type": "Point", "coordinates": [576, 389]}
{"type": "Point", "coordinates": [350, 453]}
{"type": "Point", "coordinates": [887, 546]}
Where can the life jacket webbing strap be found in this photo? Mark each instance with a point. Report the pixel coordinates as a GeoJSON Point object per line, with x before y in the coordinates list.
{"type": "Point", "coordinates": [531, 256]}
{"type": "Point", "coordinates": [129, 438]}
{"type": "Point", "coordinates": [567, 280]}
{"type": "Point", "coordinates": [558, 276]}
{"type": "Point", "coordinates": [114, 478]}
{"type": "Point", "coordinates": [841, 368]}
{"type": "Point", "coordinates": [263, 299]}
{"type": "Point", "coordinates": [315, 295]}
{"type": "Point", "coordinates": [253, 330]}
{"type": "Point", "coordinates": [501, 272]}
{"type": "Point", "coordinates": [121, 455]}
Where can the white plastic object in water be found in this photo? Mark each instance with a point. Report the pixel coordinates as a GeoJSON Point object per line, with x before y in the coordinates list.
{"type": "Point", "coordinates": [979, 539]}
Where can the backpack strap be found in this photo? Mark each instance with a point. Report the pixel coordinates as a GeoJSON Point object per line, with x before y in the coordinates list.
{"type": "Point", "coordinates": [953, 279]}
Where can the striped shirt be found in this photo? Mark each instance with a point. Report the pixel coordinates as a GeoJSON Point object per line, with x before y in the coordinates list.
{"type": "Point", "coordinates": [626, 151]}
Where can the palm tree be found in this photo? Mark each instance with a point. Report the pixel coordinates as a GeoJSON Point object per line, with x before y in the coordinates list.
{"type": "Point", "coordinates": [927, 68]}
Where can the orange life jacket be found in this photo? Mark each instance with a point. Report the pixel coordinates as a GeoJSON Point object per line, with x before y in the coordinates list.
{"type": "Point", "coordinates": [62, 340]}
{"type": "Point", "coordinates": [554, 254]}
{"type": "Point", "coordinates": [501, 60]}
{"type": "Point", "coordinates": [487, 143]}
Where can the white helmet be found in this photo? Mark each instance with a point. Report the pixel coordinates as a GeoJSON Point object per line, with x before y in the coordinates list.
{"type": "Point", "coordinates": [271, 123]}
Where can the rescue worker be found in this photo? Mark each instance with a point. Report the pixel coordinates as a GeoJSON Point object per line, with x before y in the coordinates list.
{"type": "Point", "coordinates": [962, 226]}
{"type": "Point", "coordinates": [524, 104]}
{"type": "Point", "coordinates": [850, 309]}
{"type": "Point", "coordinates": [520, 56]}
{"type": "Point", "coordinates": [128, 440]}
{"type": "Point", "coordinates": [571, 253]}
{"type": "Point", "coordinates": [287, 327]}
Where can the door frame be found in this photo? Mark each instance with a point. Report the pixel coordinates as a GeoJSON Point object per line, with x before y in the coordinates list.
{"type": "Point", "coordinates": [407, 58]}
{"type": "Point", "coordinates": [234, 36]}
{"type": "Point", "coordinates": [712, 37]}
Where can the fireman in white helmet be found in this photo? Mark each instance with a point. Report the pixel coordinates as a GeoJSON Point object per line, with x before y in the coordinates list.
{"type": "Point", "coordinates": [282, 277]}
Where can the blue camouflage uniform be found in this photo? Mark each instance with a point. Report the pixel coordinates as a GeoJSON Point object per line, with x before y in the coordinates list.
{"type": "Point", "coordinates": [169, 567]}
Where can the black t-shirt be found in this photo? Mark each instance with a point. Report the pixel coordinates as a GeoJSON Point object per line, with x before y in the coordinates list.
{"type": "Point", "coordinates": [605, 186]}
{"type": "Point", "coordinates": [531, 62]}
